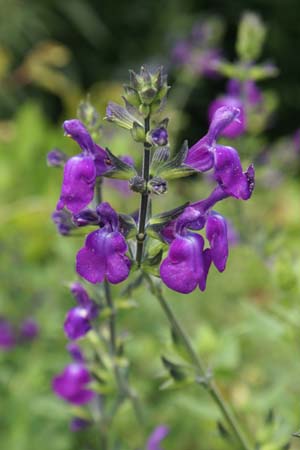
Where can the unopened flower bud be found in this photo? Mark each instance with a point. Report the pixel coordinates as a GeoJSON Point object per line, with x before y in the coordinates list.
{"type": "Point", "coordinates": [159, 136]}
{"type": "Point", "coordinates": [148, 95]}
{"type": "Point", "coordinates": [87, 114]}
{"type": "Point", "coordinates": [137, 184]}
{"type": "Point", "coordinates": [132, 96]}
{"type": "Point", "coordinates": [158, 186]}
{"type": "Point", "coordinates": [251, 36]}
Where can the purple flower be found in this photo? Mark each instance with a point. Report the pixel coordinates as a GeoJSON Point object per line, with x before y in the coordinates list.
{"type": "Point", "coordinates": [156, 437]}
{"type": "Point", "coordinates": [236, 127]}
{"type": "Point", "coordinates": [206, 154]}
{"type": "Point", "coordinates": [78, 320]}
{"type": "Point", "coordinates": [201, 155]}
{"type": "Point", "coordinates": [7, 335]}
{"type": "Point", "coordinates": [71, 384]}
{"type": "Point", "coordinates": [78, 424]}
{"type": "Point", "coordinates": [29, 329]}
{"type": "Point", "coordinates": [103, 256]}
{"type": "Point", "coordinates": [159, 136]}
{"type": "Point", "coordinates": [80, 171]}
{"type": "Point", "coordinates": [78, 183]}
{"type": "Point", "coordinates": [186, 267]}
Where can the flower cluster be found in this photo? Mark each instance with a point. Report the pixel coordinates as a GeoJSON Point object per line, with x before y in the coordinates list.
{"type": "Point", "coordinates": [169, 245]}
{"type": "Point", "coordinates": [105, 253]}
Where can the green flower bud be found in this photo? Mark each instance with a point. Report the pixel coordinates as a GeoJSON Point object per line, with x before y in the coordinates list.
{"type": "Point", "coordinates": [251, 36]}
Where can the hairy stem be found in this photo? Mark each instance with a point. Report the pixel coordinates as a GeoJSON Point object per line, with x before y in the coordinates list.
{"type": "Point", "coordinates": [144, 198]}
{"type": "Point", "coordinates": [200, 367]}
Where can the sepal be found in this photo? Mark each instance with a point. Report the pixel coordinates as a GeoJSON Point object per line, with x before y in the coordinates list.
{"type": "Point", "coordinates": [153, 259]}
{"type": "Point", "coordinates": [119, 169]}
{"type": "Point", "coordinates": [120, 116]}
{"type": "Point", "coordinates": [158, 222]}
{"type": "Point", "coordinates": [138, 132]}
{"type": "Point", "coordinates": [161, 155]}
{"type": "Point", "coordinates": [127, 226]}
{"type": "Point", "coordinates": [175, 168]}
{"type": "Point", "coordinates": [132, 96]}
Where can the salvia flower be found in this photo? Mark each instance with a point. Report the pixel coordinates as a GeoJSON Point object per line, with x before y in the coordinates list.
{"type": "Point", "coordinates": [207, 154]}
{"type": "Point", "coordinates": [7, 335]}
{"type": "Point", "coordinates": [78, 320]}
{"type": "Point", "coordinates": [80, 171]}
{"type": "Point", "coordinates": [187, 264]}
{"type": "Point", "coordinates": [72, 384]}
{"type": "Point", "coordinates": [159, 434]}
{"type": "Point", "coordinates": [103, 256]}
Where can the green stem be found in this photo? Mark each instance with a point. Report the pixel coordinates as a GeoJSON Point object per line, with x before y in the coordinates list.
{"type": "Point", "coordinates": [201, 369]}
{"type": "Point", "coordinates": [144, 198]}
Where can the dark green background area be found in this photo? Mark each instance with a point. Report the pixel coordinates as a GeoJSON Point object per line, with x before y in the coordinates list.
{"type": "Point", "coordinates": [108, 37]}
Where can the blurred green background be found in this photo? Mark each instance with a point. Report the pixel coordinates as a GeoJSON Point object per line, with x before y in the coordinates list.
{"type": "Point", "coordinates": [246, 324]}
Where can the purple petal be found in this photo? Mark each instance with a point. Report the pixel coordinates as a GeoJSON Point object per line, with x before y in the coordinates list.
{"type": "Point", "coordinates": [71, 384]}
{"type": "Point", "coordinates": [77, 131]}
{"type": "Point", "coordinates": [216, 233]}
{"type": "Point", "coordinates": [108, 215]}
{"type": "Point", "coordinates": [200, 156]}
{"type": "Point", "coordinates": [118, 265]}
{"type": "Point", "coordinates": [182, 269]}
{"type": "Point", "coordinates": [77, 323]}
{"type": "Point", "coordinates": [156, 437]}
{"type": "Point", "coordinates": [78, 183]}
{"type": "Point", "coordinates": [102, 161]}
{"type": "Point", "coordinates": [206, 266]}
{"type": "Point", "coordinates": [229, 173]}
{"type": "Point", "coordinates": [103, 256]}
{"type": "Point", "coordinates": [224, 122]}
{"type": "Point", "coordinates": [91, 260]}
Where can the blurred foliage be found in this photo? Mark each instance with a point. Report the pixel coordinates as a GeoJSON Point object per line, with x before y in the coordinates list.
{"type": "Point", "coordinates": [247, 322]}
